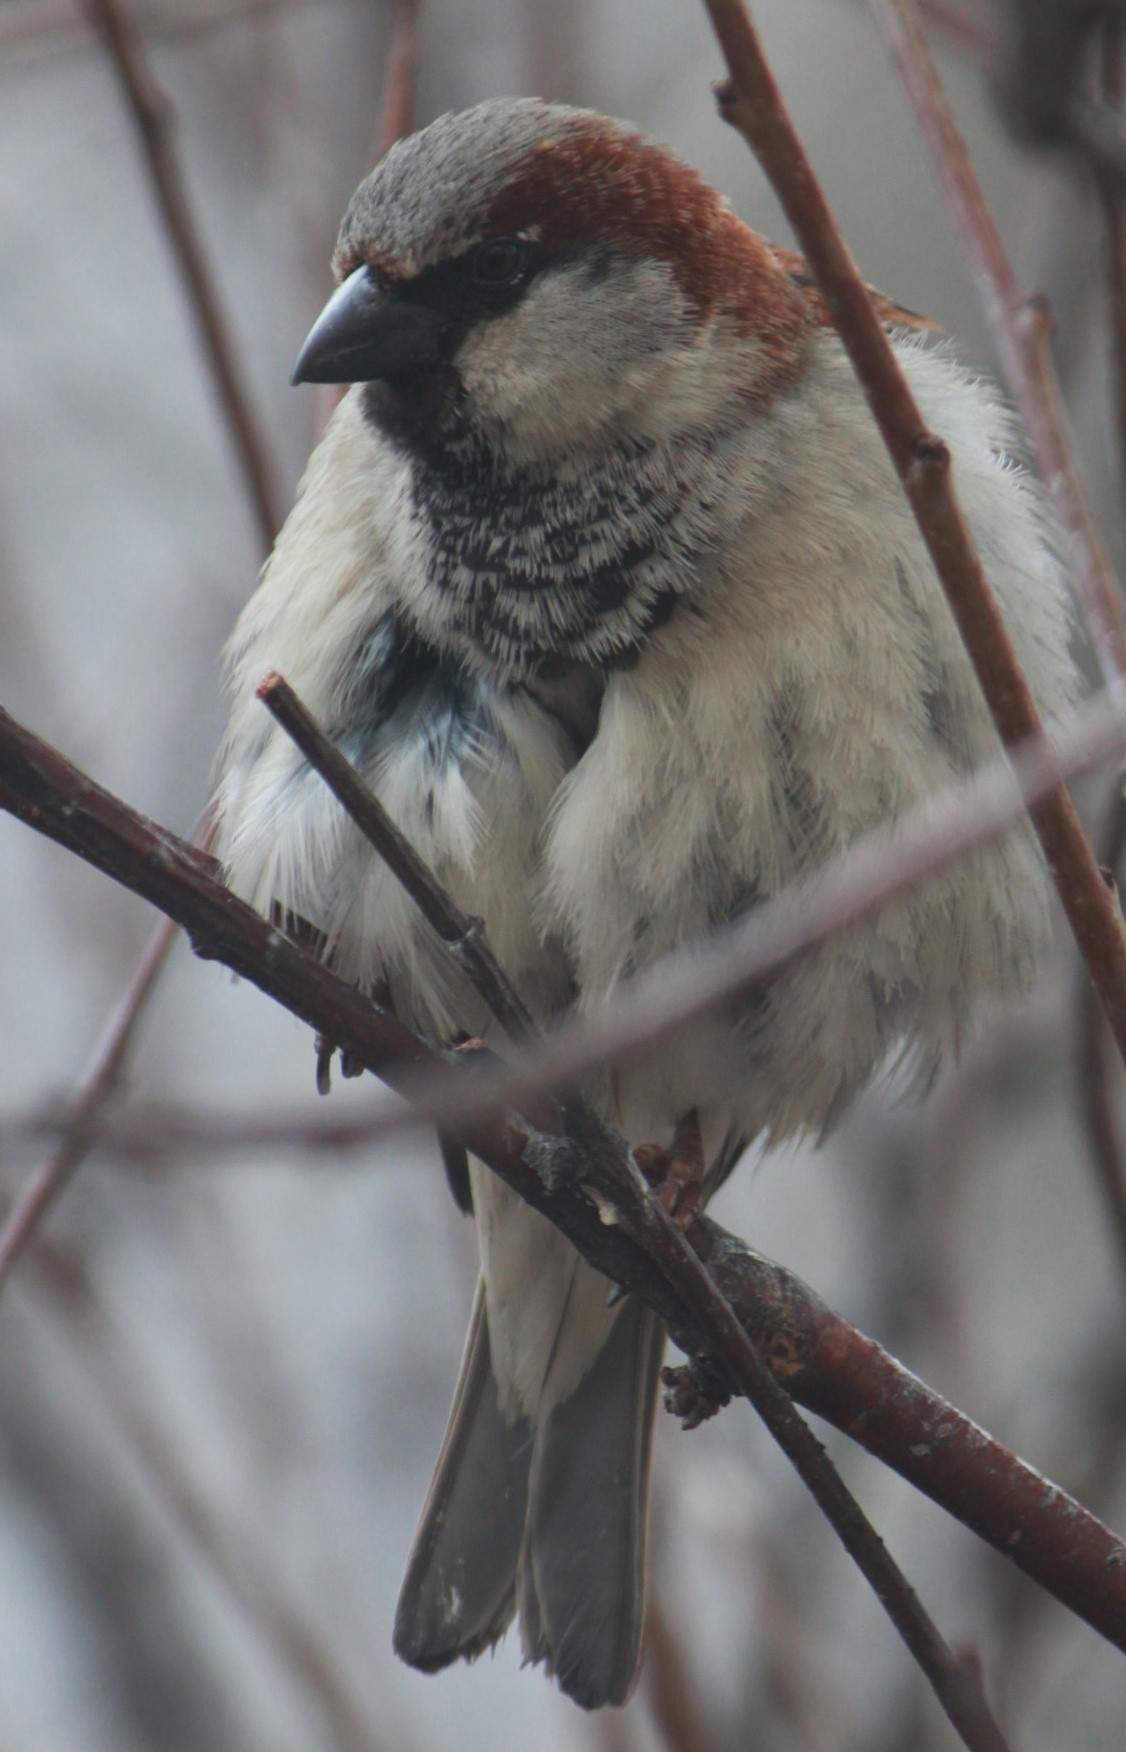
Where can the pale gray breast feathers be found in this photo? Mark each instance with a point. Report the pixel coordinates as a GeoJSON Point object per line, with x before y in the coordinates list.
{"type": "Point", "coordinates": [824, 694]}
{"type": "Point", "coordinates": [806, 685]}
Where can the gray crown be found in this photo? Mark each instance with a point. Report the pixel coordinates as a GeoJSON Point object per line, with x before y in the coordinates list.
{"type": "Point", "coordinates": [430, 196]}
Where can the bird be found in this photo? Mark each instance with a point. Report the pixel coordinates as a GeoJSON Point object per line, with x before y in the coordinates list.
{"type": "Point", "coordinates": [601, 576]}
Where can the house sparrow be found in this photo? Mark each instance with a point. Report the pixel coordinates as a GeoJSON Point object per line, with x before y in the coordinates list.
{"type": "Point", "coordinates": [602, 577]}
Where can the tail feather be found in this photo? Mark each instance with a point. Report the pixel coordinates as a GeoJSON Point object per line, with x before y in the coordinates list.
{"type": "Point", "coordinates": [552, 1520]}
{"type": "Point", "coordinates": [581, 1582]}
{"type": "Point", "coordinates": [459, 1593]}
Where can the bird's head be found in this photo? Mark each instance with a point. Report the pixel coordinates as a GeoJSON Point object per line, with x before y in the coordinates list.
{"type": "Point", "coordinates": [552, 281]}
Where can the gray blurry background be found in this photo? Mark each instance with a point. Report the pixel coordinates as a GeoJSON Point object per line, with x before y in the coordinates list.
{"type": "Point", "coordinates": [223, 1385]}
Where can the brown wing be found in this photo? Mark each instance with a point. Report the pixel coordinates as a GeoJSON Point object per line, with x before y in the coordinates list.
{"type": "Point", "coordinates": [893, 315]}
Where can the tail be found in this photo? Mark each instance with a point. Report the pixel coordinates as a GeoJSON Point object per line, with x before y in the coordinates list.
{"type": "Point", "coordinates": [551, 1519]}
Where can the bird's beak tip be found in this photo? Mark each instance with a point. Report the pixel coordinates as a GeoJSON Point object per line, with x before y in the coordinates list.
{"type": "Point", "coordinates": [364, 332]}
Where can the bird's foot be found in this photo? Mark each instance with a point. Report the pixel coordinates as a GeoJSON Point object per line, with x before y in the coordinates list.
{"type": "Point", "coordinates": [677, 1174]}
{"type": "Point", "coordinates": [695, 1391]}
{"type": "Point", "coordinates": [326, 1049]}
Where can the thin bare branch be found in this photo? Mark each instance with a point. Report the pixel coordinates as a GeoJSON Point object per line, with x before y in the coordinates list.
{"type": "Point", "coordinates": [172, 1131]}
{"type": "Point", "coordinates": [152, 115]}
{"type": "Point", "coordinates": [471, 954]}
{"type": "Point", "coordinates": [586, 1183]}
{"type": "Point", "coordinates": [461, 935]}
{"type": "Point", "coordinates": [1021, 331]}
{"type": "Point", "coordinates": [752, 102]}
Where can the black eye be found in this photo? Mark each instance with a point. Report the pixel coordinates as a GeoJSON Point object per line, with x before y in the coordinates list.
{"type": "Point", "coordinates": [499, 261]}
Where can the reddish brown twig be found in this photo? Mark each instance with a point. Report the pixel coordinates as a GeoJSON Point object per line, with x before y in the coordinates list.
{"type": "Point", "coordinates": [1020, 335]}
{"type": "Point", "coordinates": [752, 102]}
{"type": "Point", "coordinates": [1046, 1533]}
{"type": "Point", "coordinates": [151, 112]}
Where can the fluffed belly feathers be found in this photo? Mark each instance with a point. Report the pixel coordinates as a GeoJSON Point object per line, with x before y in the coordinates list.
{"type": "Point", "coordinates": [814, 688]}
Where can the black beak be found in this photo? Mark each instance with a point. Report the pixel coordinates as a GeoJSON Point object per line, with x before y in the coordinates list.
{"type": "Point", "coordinates": [366, 332]}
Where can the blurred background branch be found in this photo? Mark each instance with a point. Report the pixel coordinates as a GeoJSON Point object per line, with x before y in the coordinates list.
{"type": "Point", "coordinates": [151, 113]}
